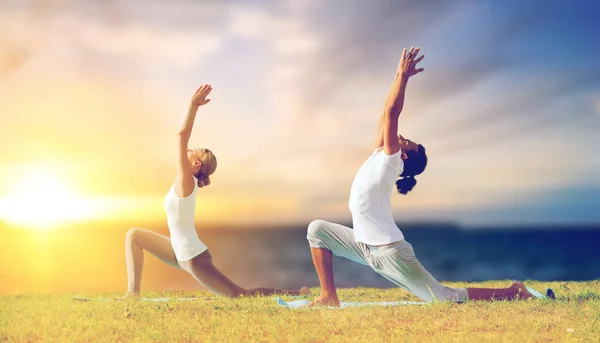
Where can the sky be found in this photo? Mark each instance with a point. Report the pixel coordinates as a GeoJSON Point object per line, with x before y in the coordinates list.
{"type": "Point", "coordinates": [92, 94]}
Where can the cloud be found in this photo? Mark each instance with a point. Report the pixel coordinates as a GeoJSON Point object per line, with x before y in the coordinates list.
{"type": "Point", "coordinates": [463, 52]}
{"type": "Point", "coordinates": [252, 23]}
{"type": "Point", "coordinates": [12, 57]}
{"type": "Point", "coordinates": [353, 52]}
{"type": "Point", "coordinates": [519, 111]}
{"type": "Point", "coordinates": [299, 87]}
{"type": "Point", "coordinates": [135, 44]}
{"type": "Point", "coordinates": [281, 33]}
{"type": "Point", "coordinates": [357, 44]}
{"type": "Point", "coordinates": [94, 33]}
{"type": "Point", "coordinates": [17, 43]}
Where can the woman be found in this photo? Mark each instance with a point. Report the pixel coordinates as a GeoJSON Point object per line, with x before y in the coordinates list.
{"type": "Point", "coordinates": [376, 241]}
{"type": "Point", "coordinates": [184, 249]}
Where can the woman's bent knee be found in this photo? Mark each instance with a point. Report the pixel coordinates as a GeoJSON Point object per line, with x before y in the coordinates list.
{"type": "Point", "coordinates": [132, 234]}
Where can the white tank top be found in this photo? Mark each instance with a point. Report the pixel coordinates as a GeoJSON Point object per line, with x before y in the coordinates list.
{"type": "Point", "coordinates": [370, 199]}
{"type": "Point", "coordinates": [180, 218]}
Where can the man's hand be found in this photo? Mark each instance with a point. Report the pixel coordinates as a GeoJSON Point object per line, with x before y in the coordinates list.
{"type": "Point", "coordinates": [408, 63]}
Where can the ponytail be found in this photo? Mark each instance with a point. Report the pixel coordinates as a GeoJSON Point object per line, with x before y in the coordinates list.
{"type": "Point", "coordinates": [405, 184]}
{"type": "Point", "coordinates": [203, 180]}
{"type": "Point", "coordinates": [414, 164]}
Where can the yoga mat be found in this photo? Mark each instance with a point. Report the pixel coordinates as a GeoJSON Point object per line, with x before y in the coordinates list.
{"type": "Point", "coordinates": [301, 303]}
{"type": "Point", "coordinates": [143, 299]}
{"type": "Point", "coordinates": [304, 302]}
{"type": "Point", "coordinates": [549, 293]}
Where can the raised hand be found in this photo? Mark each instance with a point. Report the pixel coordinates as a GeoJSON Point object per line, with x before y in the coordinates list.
{"type": "Point", "coordinates": [408, 63]}
{"type": "Point", "coordinates": [199, 98]}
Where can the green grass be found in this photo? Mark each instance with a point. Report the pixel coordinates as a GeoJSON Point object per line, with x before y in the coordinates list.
{"type": "Point", "coordinates": [574, 316]}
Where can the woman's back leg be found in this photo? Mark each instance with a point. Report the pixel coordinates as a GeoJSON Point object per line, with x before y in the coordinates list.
{"type": "Point", "coordinates": [204, 271]}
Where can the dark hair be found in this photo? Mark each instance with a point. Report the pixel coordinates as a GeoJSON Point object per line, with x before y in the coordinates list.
{"type": "Point", "coordinates": [414, 164]}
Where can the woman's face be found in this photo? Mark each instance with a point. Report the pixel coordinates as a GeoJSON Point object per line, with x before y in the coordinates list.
{"type": "Point", "coordinates": [195, 155]}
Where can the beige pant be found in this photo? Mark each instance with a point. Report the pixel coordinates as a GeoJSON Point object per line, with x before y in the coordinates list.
{"type": "Point", "coordinates": [396, 261]}
{"type": "Point", "coordinates": [200, 267]}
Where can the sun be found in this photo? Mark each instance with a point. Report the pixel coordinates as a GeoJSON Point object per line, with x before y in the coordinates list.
{"type": "Point", "coordinates": [43, 200]}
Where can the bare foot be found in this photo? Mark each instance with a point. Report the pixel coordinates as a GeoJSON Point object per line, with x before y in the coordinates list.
{"type": "Point", "coordinates": [305, 291]}
{"type": "Point", "coordinates": [325, 301]}
{"type": "Point", "coordinates": [521, 291]}
{"type": "Point", "coordinates": [131, 295]}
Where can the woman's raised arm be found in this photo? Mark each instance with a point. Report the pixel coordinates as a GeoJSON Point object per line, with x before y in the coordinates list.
{"type": "Point", "coordinates": [185, 182]}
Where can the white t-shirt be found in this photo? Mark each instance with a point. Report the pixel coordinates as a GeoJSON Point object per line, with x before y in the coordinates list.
{"type": "Point", "coordinates": [370, 199]}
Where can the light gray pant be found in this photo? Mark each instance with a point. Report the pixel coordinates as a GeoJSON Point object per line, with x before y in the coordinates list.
{"type": "Point", "coordinates": [396, 261]}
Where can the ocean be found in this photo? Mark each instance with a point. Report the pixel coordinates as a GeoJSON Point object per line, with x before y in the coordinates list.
{"type": "Point", "coordinates": [449, 253]}
{"type": "Point", "coordinates": [92, 259]}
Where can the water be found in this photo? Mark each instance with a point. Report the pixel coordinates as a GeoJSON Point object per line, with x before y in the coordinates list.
{"type": "Point", "coordinates": [282, 258]}
{"type": "Point", "coordinates": [92, 259]}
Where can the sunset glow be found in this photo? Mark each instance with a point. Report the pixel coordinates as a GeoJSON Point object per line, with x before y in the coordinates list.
{"type": "Point", "coordinates": [100, 88]}
{"type": "Point", "coordinates": [40, 199]}
{"type": "Point", "coordinates": [93, 94]}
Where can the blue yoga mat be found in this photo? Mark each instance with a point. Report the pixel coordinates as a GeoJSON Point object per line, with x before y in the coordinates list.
{"type": "Point", "coordinates": [143, 299]}
{"type": "Point", "coordinates": [535, 293]}
{"type": "Point", "coordinates": [304, 302]}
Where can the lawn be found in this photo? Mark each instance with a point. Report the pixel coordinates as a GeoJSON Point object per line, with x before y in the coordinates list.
{"type": "Point", "coordinates": [573, 317]}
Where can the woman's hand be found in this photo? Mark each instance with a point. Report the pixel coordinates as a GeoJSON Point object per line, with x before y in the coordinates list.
{"type": "Point", "coordinates": [408, 63]}
{"type": "Point", "coordinates": [199, 98]}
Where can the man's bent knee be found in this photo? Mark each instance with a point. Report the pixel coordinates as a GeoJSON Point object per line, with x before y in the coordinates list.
{"type": "Point", "coordinates": [315, 233]}
{"type": "Point", "coordinates": [315, 227]}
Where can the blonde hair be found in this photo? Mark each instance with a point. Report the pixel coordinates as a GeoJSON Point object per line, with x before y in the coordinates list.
{"type": "Point", "coordinates": [208, 167]}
